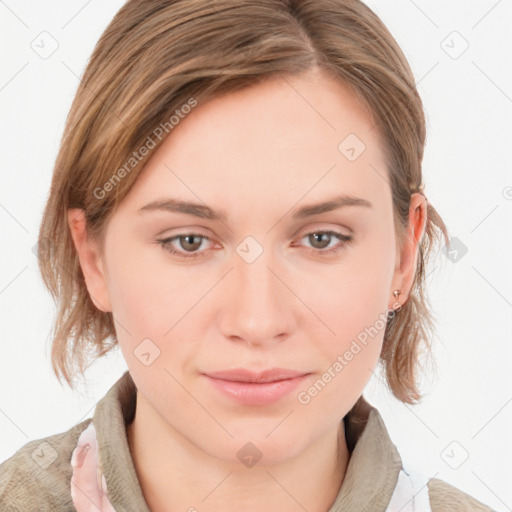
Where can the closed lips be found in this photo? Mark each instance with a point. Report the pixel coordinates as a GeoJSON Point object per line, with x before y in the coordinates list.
{"type": "Point", "coordinates": [244, 375]}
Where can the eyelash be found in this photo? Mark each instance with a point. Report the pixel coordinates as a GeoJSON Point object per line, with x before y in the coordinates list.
{"type": "Point", "coordinates": [165, 243]}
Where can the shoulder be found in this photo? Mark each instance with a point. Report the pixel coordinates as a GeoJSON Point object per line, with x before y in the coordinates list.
{"type": "Point", "coordinates": [38, 476]}
{"type": "Point", "coordinates": [447, 498]}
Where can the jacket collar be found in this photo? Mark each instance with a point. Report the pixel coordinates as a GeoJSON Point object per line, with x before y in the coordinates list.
{"type": "Point", "coordinates": [369, 482]}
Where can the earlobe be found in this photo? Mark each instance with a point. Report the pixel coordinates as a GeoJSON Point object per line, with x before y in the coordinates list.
{"type": "Point", "coordinates": [90, 260]}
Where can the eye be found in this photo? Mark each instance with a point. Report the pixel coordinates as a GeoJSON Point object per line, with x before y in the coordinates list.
{"type": "Point", "coordinates": [188, 242]}
{"type": "Point", "coordinates": [321, 239]}
{"type": "Point", "coordinates": [191, 242]}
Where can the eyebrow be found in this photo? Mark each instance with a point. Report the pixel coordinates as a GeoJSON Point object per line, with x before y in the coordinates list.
{"type": "Point", "coordinates": [205, 212]}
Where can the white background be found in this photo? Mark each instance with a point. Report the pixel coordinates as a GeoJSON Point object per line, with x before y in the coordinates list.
{"type": "Point", "coordinates": [468, 177]}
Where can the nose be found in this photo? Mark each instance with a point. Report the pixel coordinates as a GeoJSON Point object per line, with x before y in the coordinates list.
{"type": "Point", "coordinates": [259, 305]}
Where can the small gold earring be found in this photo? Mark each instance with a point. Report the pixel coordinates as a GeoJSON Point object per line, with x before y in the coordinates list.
{"type": "Point", "coordinates": [397, 293]}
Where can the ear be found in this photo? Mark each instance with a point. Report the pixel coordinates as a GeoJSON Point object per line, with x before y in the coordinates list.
{"type": "Point", "coordinates": [405, 268]}
{"type": "Point", "coordinates": [90, 260]}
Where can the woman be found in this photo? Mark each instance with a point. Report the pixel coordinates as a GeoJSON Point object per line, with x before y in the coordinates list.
{"type": "Point", "coordinates": [238, 205]}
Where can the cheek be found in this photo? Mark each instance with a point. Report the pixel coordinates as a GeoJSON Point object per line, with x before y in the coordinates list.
{"type": "Point", "coordinates": [142, 285]}
{"type": "Point", "coordinates": [372, 276]}
{"type": "Point", "coordinates": [351, 354]}
{"type": "Point", "coordinates": [354, 307]}
{"type": "Point", "coordinates": [154, 300]}
{"type": "Point", "coordinates": [357, 292]}
{"type": "Point", "coordinates": [135, 287]}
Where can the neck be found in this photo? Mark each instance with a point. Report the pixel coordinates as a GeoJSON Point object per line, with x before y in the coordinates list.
{"type": "Point", "coordinates": [175, 474]}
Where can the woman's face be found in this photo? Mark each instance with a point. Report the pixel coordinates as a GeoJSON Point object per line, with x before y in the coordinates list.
{"type": "Point", "coordinates": [258, 287]}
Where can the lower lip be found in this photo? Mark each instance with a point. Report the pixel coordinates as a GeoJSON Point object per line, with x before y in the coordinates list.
{"type": "Point", "coordinates": [250, 393]}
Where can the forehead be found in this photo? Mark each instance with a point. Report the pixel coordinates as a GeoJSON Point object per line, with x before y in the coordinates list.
{"type": "Point", "coordinates": [278, 140]}
{"type": "Point", "coordinates": [309, 111]}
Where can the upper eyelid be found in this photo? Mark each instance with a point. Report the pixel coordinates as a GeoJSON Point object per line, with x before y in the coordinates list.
{"type": "Point", "coordinates": [303, 232]}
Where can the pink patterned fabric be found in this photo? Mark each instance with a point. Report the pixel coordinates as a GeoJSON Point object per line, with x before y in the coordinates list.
{"type": "Point", "coordinates": [88, 485]}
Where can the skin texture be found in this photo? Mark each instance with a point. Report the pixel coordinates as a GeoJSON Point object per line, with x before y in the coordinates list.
{"type": "Point", "coordinates": [257, 154]}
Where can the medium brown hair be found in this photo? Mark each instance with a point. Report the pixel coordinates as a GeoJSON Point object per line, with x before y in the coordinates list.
{"type": "Point", "coordinates": [155, 57]}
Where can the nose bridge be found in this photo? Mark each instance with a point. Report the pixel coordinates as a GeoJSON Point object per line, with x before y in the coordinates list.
{"type": "Point", "coordinates": [257, 304]}
{"type": "Point", "coordinates": [257, 285]}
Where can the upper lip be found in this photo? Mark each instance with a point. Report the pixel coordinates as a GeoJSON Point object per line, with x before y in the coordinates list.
{"type": "Point", "coordinates": [243, 375]}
